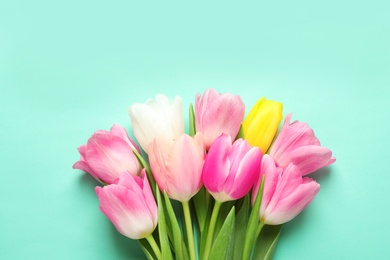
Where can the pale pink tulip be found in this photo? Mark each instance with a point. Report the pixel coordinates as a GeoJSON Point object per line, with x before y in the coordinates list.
{"type": "Point", "coordinates": [108, 154]}
{"type": "Point", "coordinates": [230, 169]}
{"type": "Point", "coordinates": [217, 113]}
{"type": "Point", "coordinates": [129, 205]}
{"type": "Point", "coordinates": [297, 144]}
{"type": "Point", "coordinates": [285, 192]}
{"type": "Point", "coordinates": [177, 165]}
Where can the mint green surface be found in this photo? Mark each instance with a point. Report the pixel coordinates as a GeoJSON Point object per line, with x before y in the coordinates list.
{"type": "Point", "coordinates": [68, 68]}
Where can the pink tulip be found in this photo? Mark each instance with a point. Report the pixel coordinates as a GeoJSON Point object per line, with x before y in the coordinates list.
{"type": "Point", "coordinates": [218, 113]}
{"type": "Point", "coordinates": [107, 154]}
{"type": "Point", "coordinates": [297, 144]}
{"type": "Point", "coordinates": [129, 205]}
{"type": "Point", "coordinates": [230, 169]}
{"type": "Point", "coordinates": [285, 192]}
{"type": "Point", "coordinates": [177, 165]}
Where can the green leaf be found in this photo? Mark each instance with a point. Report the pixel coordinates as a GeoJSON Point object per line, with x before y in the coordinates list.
{"type": "Point", "coordinates": [203, 237]}
{"type": "Point", "coordinates": [223, 213]}
{"type": "Point", "coordinates": [266, 242]}
{"type": "Point", "coordinates": [173, 226]}
{"type": "Point", "coordinates": [192, 121]}
{"type": "Point", "coordinates": [224, 242]}
{"type": "Point", "coordinates": [146, 249]}
{"type": "Point", "coordinates": [240, 133]}
{"type": "Point", "coordinates": [239, 233]}
{"type": "Point", "coordinates": [201, 208]}
{"type": "Point", "coordinates": [162, 229]}
{"type": "Point", "coordinates": [149, 173]}
{"type": "Point", "coordinates": [250, 237]}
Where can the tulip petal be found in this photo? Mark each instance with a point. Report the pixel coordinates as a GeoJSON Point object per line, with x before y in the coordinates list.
{"type": "Point", "coordinates": [185, 172]}
{"type": "Point", "coordinates": [218, 113]}
{"type": "Point", "coordinates": [109, 155]}
{"type": "Point", "coordinates": [177, 165]}
{"type": "Point", "coordinates": [297, 144]}
{"type": "Point", "coordinates": [126, 210]}
{"type": "Point", "coordinates": [120, 131]}
{"type": "Point", "coordinates": [272, 177]}
{"type": "Point", "coordinates": [292, 205]}
{"type": "Point", "coordinates": [262, 122]}
{"type": "Point", "coordinates": [291, 136]}
{"type": "Point", "coordinates": [157, 117]}
{"type": "Point", "coordinates": [246, 174]}
{"type": "Point", "coordinates": [311, 158]}
{"type": "Point", "coordinates": [217, 164]}
{"type": "Point", "coordinates": [82, 164]}
{"type": "Point", "coordinates": [158, 151]}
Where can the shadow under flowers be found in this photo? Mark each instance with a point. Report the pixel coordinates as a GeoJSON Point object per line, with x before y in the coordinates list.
{"type": "Point", "coordinates": [125, 248]}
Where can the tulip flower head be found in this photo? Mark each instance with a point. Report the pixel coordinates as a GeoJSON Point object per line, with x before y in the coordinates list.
{"type": "Point", "coordinates": [108, 154]}
{"type": "Point", "coordinates": [217, 113]}
{"type": "Point", "coordinates": [157, 117]}
{"type": "Point", "coordinates": [285, 192]}
{"type": "Point", "coordinates": [230, 169]}
{"type": "Point", "coordinates": [261, 124]}
{"type": "Point", "coordinates": [297, 144]}
{"type": "Point", "coordinates": [129, 204]}
{"type": "Point", "coordinates": [177, 165]}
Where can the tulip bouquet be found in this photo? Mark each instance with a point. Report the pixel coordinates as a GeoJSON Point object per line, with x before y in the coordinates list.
{"type": "Point", "coordinates": [222, 191]}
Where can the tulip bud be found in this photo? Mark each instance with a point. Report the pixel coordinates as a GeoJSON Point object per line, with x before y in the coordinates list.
{"type": "Point", "coordinates": [261, 124]}
{"type": "Point", "coordinates": [297, 144]}
{"type": "Point", "coordinates": [230, 169]}
{"type": "Point", "coordinates": [218, 113]}
{"type": "Point", "coordinates": [285, 192]}
{"type": "Point", "coordinates": [108, 154]}
{"type": "Point", "coordinates": [129, 205]}
{"type": "Point", "coordinates": [157, 117]}
{"type": "Point", "coordinates": [177, 165]}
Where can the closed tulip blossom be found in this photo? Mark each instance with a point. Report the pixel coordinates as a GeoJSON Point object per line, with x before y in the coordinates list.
{"type": "Point", "coordinates": [129, 204]}
{"type": "Point", "coordinates": [297, 144]}
{"type": "Point", "coordinates": [230, 169]}
{"type": "Point", "coordinates": [177, 165]}
{"type": "Point", "coordinates": [229, 172]}
{"type": "Point", "coordinates": [108, 154]}
{"type": "Point", "coordinates": [155, 118]}
{"type": "Point", "coordinates": [262, 122]}
{"type": "Point", "coordinates": [285, 192]}
{"type": "Point", "coordinates": [217, 113]}
{"type": "Point", "coordinates": [177, 168]}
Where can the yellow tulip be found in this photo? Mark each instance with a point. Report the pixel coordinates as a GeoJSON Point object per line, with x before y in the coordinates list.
{"type": "Point", "coordinates": [262, 122]}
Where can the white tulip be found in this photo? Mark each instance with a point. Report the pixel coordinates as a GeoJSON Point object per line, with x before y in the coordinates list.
{"type": "Point", "coordinates": [157, 117]}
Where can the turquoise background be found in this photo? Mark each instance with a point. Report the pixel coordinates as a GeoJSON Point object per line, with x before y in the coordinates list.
{"type": "Point", "coordinates": [68, 68]}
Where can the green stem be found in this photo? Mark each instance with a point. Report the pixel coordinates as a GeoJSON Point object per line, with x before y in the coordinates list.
{"type": "Point", "coordinates": [208, 196]}
{"type": "Point", "coordinates": [258, 230]}
{"type": "Point", "coordinates": [154, 246]}
{"type": "Point", "coordinates": [190, 233]}
{"type": "Point", "coordinates": [210, 234]}
{"type": "Point", "coordinates": [149, 173]}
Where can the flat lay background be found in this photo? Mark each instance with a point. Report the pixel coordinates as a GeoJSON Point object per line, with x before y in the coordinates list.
{"type": "Point", "coordinates": [69, 68]}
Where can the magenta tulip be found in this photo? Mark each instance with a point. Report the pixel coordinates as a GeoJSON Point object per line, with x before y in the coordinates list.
{"type": "Point", "coordinates": [177, 165]}
{"type": "Point", "coordinates": [218, 113]}
{"type": "Point", "coordinates": [285, 192]}
{"type": "Point", "coordinates": [108, 154]}
{"type": "Point", "coordinates": [129, 204]}
{"type": "Point", "coordinates": [230, 169]}
{"type": "Point", "coordinates": [297, 144]}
